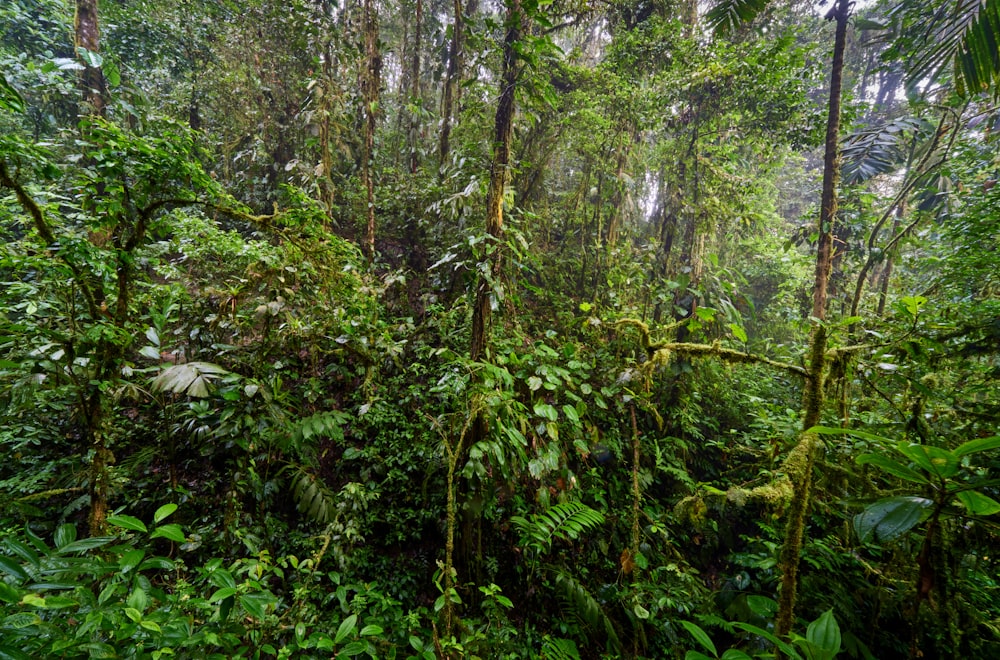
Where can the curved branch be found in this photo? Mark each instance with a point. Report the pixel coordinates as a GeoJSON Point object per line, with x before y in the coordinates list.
{"type": "Point", "coordinates": [41, 225]}
{"type": "Point", "coordinates": [660, 352]}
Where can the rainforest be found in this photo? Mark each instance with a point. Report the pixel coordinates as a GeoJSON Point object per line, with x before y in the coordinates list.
{"type": "Point", "coordinates": [500, 329]}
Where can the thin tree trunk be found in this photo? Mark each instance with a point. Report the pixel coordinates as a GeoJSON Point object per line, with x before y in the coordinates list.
{"type": "Point", "coordinates": [499, 173]}
{"type": "Point", "coordinates": [799, 465]}
{"type": "Point", "coordinates": [451, 83]}
{"type": "Point", "coordinates": [370, 85]}
{"type": "Point", "coordinates": [413, 135]}
{"type": "Point", "coordinates": [87, 35]}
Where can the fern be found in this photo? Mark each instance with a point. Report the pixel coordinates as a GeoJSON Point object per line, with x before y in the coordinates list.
{"type": "Point", "coordinates": [312, 498]}
{"type": "Point", "coordinates": [321, 425]}
{"type": "Point", "coordinates": [559, 649]}
{"type": "Point", "coordinates": [566, 520]}
{"type": "Point", "coordinates": [579, 603]}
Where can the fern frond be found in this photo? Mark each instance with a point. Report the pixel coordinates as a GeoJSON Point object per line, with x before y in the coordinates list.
{"type": "Point", "coordinates": [320, 425]}
{"type": "Point", "coordinates": [964, 33]}
{"type": "Point", "coordinates": [312, 498]}
{"type": "Point", "coordinates": [729, 15]}
{"type": "Point", "coordinates": [578, 602]}
{"type": "Point", "coordinates": [559, 649]}
{"type": "Point", "coordinates": [566, 520]}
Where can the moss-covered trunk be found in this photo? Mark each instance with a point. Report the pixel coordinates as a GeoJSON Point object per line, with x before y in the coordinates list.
{"type": "Point", "coordinates": [802, 458]}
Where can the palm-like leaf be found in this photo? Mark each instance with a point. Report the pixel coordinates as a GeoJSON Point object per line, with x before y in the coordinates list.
{"type": "Point", "coordinates": [728, 15]}
{"type": "Point", "coordinates": [878, 149]}
{"type": "Point", "coordinates": [967, 34]}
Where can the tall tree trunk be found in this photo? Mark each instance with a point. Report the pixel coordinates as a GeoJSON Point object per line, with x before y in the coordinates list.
{"type": "Point", "coordinates": [87, 35]}
{"type": "Point", "coordinates": [800, 462]}
{"type": "Point", "coordinates": [413, 135]}
{"type": "Point", "coordinates": [451, 83]}
{"type": "Point", "coordinates": [371, 81]}
{"type": "Point", "coordinates": [499, 174]}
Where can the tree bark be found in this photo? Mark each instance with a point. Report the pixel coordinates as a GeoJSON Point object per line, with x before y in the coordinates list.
{"type": "Point", "coordinates": [499, 174]}
{"type": "Point", "coordinates": [799, 464]}
{"type": "Point", "coordinates": [413, 135]}
{"type": "Point", "coordinates": [87, 35]}
{"type": "Point", "coordinates": [451, 83]}
{"type": "Point", "coordinates": [371, 81]}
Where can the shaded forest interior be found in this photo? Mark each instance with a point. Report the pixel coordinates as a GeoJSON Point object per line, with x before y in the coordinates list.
{"type": "Point", "coordinates": [512, 329]}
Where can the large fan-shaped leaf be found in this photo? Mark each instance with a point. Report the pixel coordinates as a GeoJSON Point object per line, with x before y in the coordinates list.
{"type": "Point", "coordinates": [191, 378]}
{"type": "Point", "coordinates": [728, 15]}
{"type": "Point", "coordinates": [878, 149]}
{"type": "Point", "coordinates": [964, 33]}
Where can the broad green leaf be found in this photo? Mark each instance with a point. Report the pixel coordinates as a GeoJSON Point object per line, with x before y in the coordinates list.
{"type": "Point", "coordinates": [640, 611]}
{"type": "Point", "coordinates": [913, 304]}
{"type": "Point", "coordinates": [824, 632]}
{"type": "Point", "coordinates": [735, 654]}
{"type": "Point", "coordinates": [222, 594]}
{"type": "Point", "coordinates": [762, 606]}
{"type": "Point", "coordinates": [546, 411]}
{"type": "Point", "coordinates": [977, 445]}
{"type": "Point", "coordinates": [738, 332]}
{"type": "Point", "coordinates": [60, 602]}
{"type": "Point", "coordinates": [127, 522]}
{"type": "Point", "coordinates": [89, 57]}
{"type": "Point", "coordinates": [892, 467]}
{"type": "Point", "coordinates": [353, 649]}
{"type": "Point", "coordinates": [220, 577]}
{"type": "Point", "coordinates": [163, 512]}
{"type": "Point", "coordinates": [9, 594]}
{"type": "Point", "coordinates": [345, 629]}
{"type": "Point", "coordinates": [10, 98]}
{"type": "Point", "coordinates": [939, 462]}
{"type": "Point", "coordinates": [784, 647]}
{"type": "Point", "coordinates": [979, 504]}
{"type": "Point", "coordinates": [890, 518]}
{"type": "Point", "coordinates": [161, 563]}
{"type": "Point", "coordinates": [172, 531]}
{"type": "Point", "coordinates": [701, 637]}
{"type": "Point", "coordinates": [371, 630]}
{"type": "Point", "coordinates": [23, 551]}
{"type": "Point", "coordinates": [192, 378]}
{"type": "Point", "coordinates": [33, 599]}
{"type": "Point", "coordinates": [65, 534]}
{"type": "Point", "coordinates": [130, 560]}
{"type": "Point", "coordinates": [256, 604]}
{"type": "Point", "coordinates": [11, 567]}
{"type": "Point", "coordinates": [86, 544]}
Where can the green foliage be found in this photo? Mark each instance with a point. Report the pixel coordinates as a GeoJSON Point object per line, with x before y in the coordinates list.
{"type": "Point", "coordinates": [565, 520]}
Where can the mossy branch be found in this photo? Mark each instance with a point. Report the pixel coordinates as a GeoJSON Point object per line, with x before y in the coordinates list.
{"type": "Point", "coordinates": [45, 232]}
{"type": "Point", "coordinates": [661, 352]}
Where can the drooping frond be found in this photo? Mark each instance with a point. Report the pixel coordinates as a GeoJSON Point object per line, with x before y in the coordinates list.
{"type": "Point", "coordinates": [728, 15]}
{"type": "Point", "coordinates": [312, 498]}
{"type": "Point", "coordinates": [877, 149]}
{"type": "Point", "coordinates": [577, 601]}
{"type": "Point", "coordinates": [966, 34]}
